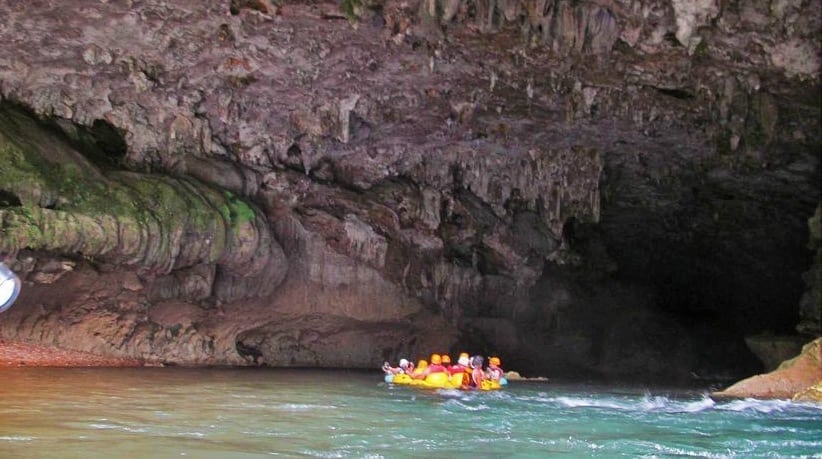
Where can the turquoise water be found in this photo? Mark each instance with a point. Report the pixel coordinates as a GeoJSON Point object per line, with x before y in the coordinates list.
{"type": "Point", "coordinates": [253, 413]}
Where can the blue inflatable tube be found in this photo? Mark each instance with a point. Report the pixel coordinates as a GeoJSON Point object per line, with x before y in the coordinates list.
{"type": "Point", "coordinates": [389, 378]}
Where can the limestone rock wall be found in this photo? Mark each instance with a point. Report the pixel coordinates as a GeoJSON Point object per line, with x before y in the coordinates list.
{"type": "Point", "coordinates": [64, 204]}
{"type": "Point", "coordinates": [527, 178]}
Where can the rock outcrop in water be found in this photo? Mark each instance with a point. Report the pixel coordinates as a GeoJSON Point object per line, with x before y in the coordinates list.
{"type": "Point", "coordinates": [798, 378]}
{"type": "Point", "coordinates": [586, 188]}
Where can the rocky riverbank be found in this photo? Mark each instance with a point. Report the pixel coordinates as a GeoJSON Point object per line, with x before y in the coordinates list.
{"type": "Point", "coordinates": [22, 354]}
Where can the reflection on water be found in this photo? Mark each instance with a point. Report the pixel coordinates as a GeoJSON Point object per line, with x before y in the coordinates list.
{"type": "Point", "coordinates": [244, 413]}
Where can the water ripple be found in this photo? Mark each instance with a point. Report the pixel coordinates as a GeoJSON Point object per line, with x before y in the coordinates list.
{"type": "Point", "coordinates": [255, 414]}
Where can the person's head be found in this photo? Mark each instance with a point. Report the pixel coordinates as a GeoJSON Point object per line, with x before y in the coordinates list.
{"type": "Point", "coordinates": [403, 364]}
{"type": "Point", "coordinates": [422, 364]}
{"type": "Point", "coordinates": [464, 360]}
{"type": "Point", "coordinates": [446, 359]}
{"type": "Point", "coordinates": [476, 361]}
{"type": "Point", "coordinates": [494, 362]}
{"type": "Point", "coordinates": [436, 359]}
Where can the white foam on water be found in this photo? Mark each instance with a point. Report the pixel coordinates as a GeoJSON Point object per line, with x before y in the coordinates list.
{"type": "Point", "coordinates": [668, 451]}
{"type": "Point", "coordinates": [653, 403]}
{"type": "Point", "coordinates": [303, 407]}
{"type": "Point", "coordinates": [579, 444]}
{"type": "Point", "coordinates": [135, 429]}
{"type": "Point", "coordinates": [103, 426]}
{"type": "Point", "coordinates": [648, 403]}
{"type": "Point", "coordinates": [451, 393]}
{"type": "Point", "coordinates": [254, 405]}
{"type": "Point", "coordinates": [756, 405]}
{"type": "Point", "coordinates": [458, 403]}
{"type": "Point", "coordinates": [699, 405]}
{"type": "Point", "coordinates": [584, 402]}
{"type": "Point", "coordinates": [16, 438]}
{"type": "Point", "coordinates": [325, 454]}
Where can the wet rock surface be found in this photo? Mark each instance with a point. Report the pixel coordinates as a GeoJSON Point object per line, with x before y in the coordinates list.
{"type": "Point", "coordinates": [597, 189]}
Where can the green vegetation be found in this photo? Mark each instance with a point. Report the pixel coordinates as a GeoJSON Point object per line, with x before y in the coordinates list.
{"type": "Point", "coordinates": [241, 81]}
{"type": "Point", "coordinates": [356, 9]}
{"type": "Point", "coordinates": [701, 50]}
{"type": "Point", "coordinates": [352, 9]}
{"type": "Point", "coordinates": [58, 201]}
{"type": "Point", "coordinates": [235, 211]}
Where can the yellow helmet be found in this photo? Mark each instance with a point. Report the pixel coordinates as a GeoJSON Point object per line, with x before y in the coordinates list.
{"type": "Point", "coordinates": [436, 359]}
{"type": "Point", "coordinates": [422, 364]}
{"type": "Point", "coordinates": [494, 361]}
{"type": "Point", "coordinates": [446, 358]}
{"type": "Point", "coordinates": [464, 354]}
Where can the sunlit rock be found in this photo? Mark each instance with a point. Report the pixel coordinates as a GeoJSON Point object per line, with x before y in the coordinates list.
{"type": "Point", "coordinates": [793, 377]}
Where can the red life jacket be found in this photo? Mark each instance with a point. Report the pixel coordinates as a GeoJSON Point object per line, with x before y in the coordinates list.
{"type": "Point", "coordinates": [454, 369]}
{"type": "Point", "coordinates": [436, 368]}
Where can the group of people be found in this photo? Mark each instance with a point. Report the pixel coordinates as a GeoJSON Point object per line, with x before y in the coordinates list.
{"type": "Point", "coordinates": [471, 368]}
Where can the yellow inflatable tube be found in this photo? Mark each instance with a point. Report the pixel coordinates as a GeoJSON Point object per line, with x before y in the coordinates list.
{"type": "Point", "coordinates": [489, 384]}
{"type": "Point", "coordinates": [441, 381]}
{"type": "Point", "coordinates": [402, 378]}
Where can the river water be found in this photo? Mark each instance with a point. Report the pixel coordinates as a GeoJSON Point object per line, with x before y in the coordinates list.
{"type": "Point", "coordinates": [255, 413]}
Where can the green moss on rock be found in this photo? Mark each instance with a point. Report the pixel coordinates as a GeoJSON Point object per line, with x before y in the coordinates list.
{"type": "Point", "coordinates": [159, 222]}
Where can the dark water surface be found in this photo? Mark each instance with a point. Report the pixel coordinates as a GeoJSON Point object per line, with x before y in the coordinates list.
{"type": "Point", "coordinates": [254, 413]}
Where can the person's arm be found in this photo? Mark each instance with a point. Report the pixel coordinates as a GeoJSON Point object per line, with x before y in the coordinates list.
{"type": "Point", "coordinates": [389, 370]}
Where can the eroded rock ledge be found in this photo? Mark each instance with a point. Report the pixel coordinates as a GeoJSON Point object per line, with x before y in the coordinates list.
{"type": "Point", "coordinates": [64, 204]}
{"type": "Point", "coordinates": [798, 378]}
{"type": "Point", "coordinates": [587, 188]}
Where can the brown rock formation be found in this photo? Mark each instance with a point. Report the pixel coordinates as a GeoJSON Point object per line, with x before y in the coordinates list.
{"type": "Point", "coordinates": [20, 355]}
{"type": "Point", "coordinates": [794, 378]}
{"type": "Point", "coordinates": [576, 186]}
{"type": "Point", "coordinates": [811, 394]}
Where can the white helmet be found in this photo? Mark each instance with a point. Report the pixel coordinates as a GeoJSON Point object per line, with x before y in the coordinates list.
{"type": "Point", "coordinates": [463, 361]}
{"type": "Point", "coordinates": [403, 363]}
